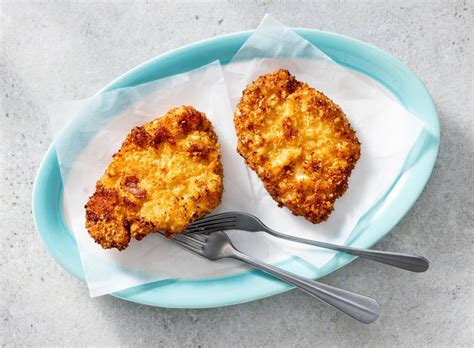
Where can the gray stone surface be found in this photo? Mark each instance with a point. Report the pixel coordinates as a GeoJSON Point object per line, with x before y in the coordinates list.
{"type": "Point", "coordinates": [54, 52]}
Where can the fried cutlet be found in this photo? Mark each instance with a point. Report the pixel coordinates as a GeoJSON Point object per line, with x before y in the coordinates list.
{"type": "Point", "coordinates": [166, 175]}
{"type": "Point", "coordinates": [299, 143]}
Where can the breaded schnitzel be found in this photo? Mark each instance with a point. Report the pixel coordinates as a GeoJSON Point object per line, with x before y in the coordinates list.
{"type": "Point", "coordinates": [299, 143]}
{"type": "Point", "coordinates": [166, 175]}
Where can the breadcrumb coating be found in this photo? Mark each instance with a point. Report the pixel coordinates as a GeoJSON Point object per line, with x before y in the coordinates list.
{"type": "Point", "coordinates": [166, 175]}
{"type": "Point", "coordinates": [299, 143]}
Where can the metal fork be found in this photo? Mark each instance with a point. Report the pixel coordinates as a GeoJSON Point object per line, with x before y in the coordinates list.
{"type": "Point", "coordinates": [218, 246]}
{"type": "Point", "coordinates": [248, 222]}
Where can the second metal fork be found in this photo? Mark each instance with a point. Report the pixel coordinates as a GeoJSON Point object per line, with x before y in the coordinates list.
{"type": "Point", "coordinates": [247, 222]}
{"type": "Point", "coordinates": [218, 246]}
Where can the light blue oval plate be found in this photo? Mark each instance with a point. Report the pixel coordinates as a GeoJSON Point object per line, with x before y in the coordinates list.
{"type": "Point", "coordinates": [248, 286]}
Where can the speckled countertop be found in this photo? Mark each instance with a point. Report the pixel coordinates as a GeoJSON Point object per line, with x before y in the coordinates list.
{"type": "Point", "coordinates": [52, 52]}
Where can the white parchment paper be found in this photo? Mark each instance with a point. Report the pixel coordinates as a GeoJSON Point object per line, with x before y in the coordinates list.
{"type": "Point", "coordinates": [88, 132]}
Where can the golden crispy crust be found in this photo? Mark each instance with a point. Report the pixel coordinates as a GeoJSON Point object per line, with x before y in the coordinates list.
{"type": "Point", "coordinates": [166, 175]}
{"type": "Point", "coordinates": [299, 143]}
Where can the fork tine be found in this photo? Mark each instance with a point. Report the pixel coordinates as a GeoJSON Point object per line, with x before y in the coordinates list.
{"type": "Point", "coordinates": [215, 217]}
{"type": "Point", "coordinates": [194, 240]}
{"type": "Point", "coordinates": [200, 237]}
{"type": "Point", "coordinates": [212, 224]}
{"type": "Point", "coordinates": [190, 241]}
{"type": "Point", "coordinates": [210, 230]}
{"type": "Point", "coordinates": [227, 213]}
{"type": "Point", "coordinates": [188, 247]}
{"type": "Point", "coordinates": [214, 221]}
{"type": "Point", "coordinates": [222, 227]}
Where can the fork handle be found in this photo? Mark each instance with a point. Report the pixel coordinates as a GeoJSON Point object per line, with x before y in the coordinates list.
{"type": "Point", "coordinates": [359, 307]}
{"type": "Point", "coordinates": [409, 262]}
